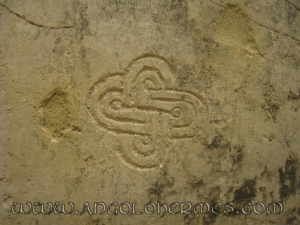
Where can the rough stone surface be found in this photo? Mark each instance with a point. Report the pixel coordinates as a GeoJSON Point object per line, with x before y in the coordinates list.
{"type": "Point", "coordinates": [150, 101]}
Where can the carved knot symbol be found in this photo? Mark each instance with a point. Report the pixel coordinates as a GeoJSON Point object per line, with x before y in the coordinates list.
{"type": "Point", "coordinates": [144, 108]}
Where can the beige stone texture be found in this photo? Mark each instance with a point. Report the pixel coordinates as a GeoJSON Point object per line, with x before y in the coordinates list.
{"type": "Point", "coordinates": [138, 101]}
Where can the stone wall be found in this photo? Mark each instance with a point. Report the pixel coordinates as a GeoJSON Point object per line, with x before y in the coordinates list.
{"type": "Point", "coordinates": [145, 103]}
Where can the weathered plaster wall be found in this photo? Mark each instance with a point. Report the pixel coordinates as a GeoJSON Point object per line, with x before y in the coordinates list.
{"type": "Point", "coordinates": [233, 65]}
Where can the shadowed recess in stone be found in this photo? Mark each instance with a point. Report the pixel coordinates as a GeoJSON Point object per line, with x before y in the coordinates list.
{"type": "Point", "coordinates": [56, 113]}
{"type": "Point", "coordinates": [233, 28]}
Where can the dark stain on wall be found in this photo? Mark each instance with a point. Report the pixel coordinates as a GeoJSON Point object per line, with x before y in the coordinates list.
{"type": "Point", "coordinates": [289, 178]}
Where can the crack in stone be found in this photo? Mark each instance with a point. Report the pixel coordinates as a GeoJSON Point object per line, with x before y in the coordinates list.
{"type": "Point", "coordinates": [34, 23]}
{"type": "Point", "coordinates": [292, 4]}
{"type": "Point", "coordinates": [276, 31]}
{"type": "Point", "coordinates": [264, 26]}
{"type": "Point", "coordinates": [217, 4]}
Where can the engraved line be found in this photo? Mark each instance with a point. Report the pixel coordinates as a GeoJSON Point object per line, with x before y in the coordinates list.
{"type": "Point", "coordinates": [113, 125]}
{"type": "Point", "coordinates": [134, 165]}
{"type": "Point", "coordinates": [124, 119]}
{"type": "Point", "coordinates": [151, 109]}
{"type": "Point", "coordinates": [149, 55]}
{"type": "Point", "coordinates": [148, 68]}
{"type": "Point", "coordinates": [143, 62]}
{"type": "Point", "coordinates": [145, 154]}
{"type": "Point", "coordinates": [197, 96]}
{"type": "Point", "coordinates": [116, 129]}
